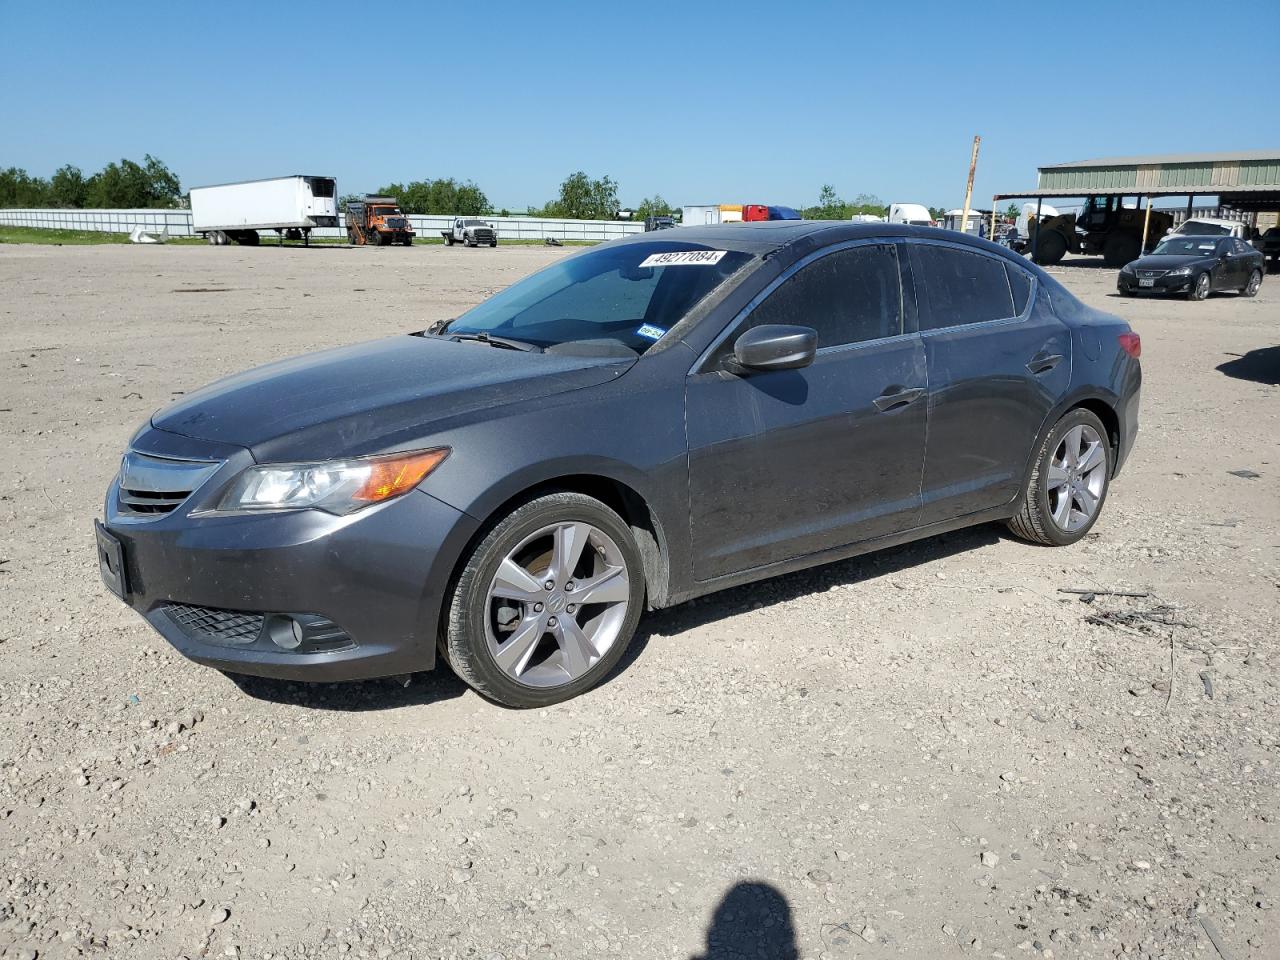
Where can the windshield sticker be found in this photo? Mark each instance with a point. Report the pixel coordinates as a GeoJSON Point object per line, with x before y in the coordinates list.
{"type": "Point", "coordinates": [649, 331]}
{"type": "Point", "coordinates": [684, 258]}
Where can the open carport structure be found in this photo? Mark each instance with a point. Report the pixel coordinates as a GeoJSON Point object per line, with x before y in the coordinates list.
{"type": "Point", "coordinates": [1246, 181]}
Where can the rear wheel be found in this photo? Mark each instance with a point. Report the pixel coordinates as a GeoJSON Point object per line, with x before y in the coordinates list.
{"type": "Point", "coordinates": [1199, 287]}
{"type": "Point", "coordinates": [1121, 248]}
{"type": "Point", "coordinates": [546, 603]}
{"type": "Point", "coordinates": [1050, 248]}
{"type": "Point", "coordinates": [1068, 484]}
{"type": "Point", "coordinates": [1255, 281]}
{"type": "Point", "coordinates": [448, 240]}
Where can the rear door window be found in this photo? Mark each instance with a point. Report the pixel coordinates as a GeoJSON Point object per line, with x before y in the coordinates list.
{"type": "Point", "coordinates": [961, 288]}
{"type": "Point", "coordinates": [849, 296]}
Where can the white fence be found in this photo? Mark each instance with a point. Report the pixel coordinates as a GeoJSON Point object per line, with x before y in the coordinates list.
{"type": "Point", "coordinates": [179, 224]}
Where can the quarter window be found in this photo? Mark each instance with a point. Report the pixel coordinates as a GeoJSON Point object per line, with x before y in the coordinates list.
{"type": "Point", "coordinates": [962, 287]}
{"type": "Point", "coordinates": [848, 296]}
{"type": "Point", "coordinates": [1020, 286]}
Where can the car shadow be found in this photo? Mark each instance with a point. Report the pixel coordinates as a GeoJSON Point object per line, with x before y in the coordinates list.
{"type": "Point", "coordinates": [442, 684]}
{"type": "Point", "coordinates": [356, 696]}
{"type": "Point", "coordinates": [763, 594]}
{"type": "Point", "coordinates": [1260, 366]}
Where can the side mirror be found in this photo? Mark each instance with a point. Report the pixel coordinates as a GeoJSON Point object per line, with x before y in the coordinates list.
{"type": "Point", "coordinates": [775, 346]}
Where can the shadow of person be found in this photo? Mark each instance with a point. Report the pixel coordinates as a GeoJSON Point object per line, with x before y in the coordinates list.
{"type": "Point", "coordinates": [752, 920]}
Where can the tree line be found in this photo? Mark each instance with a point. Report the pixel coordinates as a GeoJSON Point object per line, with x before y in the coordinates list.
{"type": "Point", "coordinates": [124, 184]}
{"type": "Point", "coordinates": [580, 196]}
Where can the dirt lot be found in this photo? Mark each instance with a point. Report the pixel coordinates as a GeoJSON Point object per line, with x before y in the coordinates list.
{"type": "Point", "coordinates": [929, 752]}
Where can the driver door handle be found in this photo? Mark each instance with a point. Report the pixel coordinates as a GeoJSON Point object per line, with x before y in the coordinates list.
{"type": "Point", "coordinates": [893, 399]}
{"type": "Point", "coordinates": [1043, 362]}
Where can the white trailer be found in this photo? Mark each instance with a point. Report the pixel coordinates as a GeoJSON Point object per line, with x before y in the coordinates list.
{"type": "Point", "coordinates": [700, 214]}
{"type": "Point", "coordinates": [291, 206]}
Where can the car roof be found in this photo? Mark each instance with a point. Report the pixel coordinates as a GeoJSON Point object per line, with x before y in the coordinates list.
{"type": "Point", "coordinates": [764, 237]}
{"type": "Point", "coordinates": [1214, 220]}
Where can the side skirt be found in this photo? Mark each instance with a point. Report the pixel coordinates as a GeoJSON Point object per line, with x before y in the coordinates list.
{"type": "Point", "coordinates": [702, 588]}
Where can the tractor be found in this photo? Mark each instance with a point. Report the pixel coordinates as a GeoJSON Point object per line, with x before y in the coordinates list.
{"type": "Point", "coordinates": [1103, 226]}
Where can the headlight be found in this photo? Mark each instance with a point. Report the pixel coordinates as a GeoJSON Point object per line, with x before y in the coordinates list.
{"type": "Point", "coordinates": [1180, 271]}
{"type": "Point", "coordinates": [1127, 268]}
{"type": "Point", "coordinates": [338, 486]}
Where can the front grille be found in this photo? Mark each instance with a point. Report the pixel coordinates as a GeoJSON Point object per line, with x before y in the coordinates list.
{"type": "Point", "coordinates": [1151, 274]}
{"type": "Point", "coordinates": [397, 223]}
{"type": "Point", "coordinates": [484, 235]}
{"type": "Point", "coordinates": [153, 486]}
{"type": "Point", "coordinates": [212, 625]}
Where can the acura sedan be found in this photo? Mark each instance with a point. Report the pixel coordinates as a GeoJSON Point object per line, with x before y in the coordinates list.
{"type": "Point", "coordinates": [648, 421]}
{"type": "Point", "coordinates": [1195, 266]}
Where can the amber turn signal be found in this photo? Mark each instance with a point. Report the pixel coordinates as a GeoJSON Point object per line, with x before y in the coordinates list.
{"type": "Point", "coordinates": [392, 475]}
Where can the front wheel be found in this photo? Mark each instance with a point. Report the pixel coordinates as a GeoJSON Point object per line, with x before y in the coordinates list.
{"type": "Point", "coordinates": [1200, 287]}
{"type": "Point", "coordinates": [1068, 484]}
{"type": "Point", "coordinates": [546, 603]}
{"type": "Point", "coordinates": [1255, 281]}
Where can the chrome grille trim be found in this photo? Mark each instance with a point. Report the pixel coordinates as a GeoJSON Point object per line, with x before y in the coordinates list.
{"type": "Point", "coordinates": [152, 486]}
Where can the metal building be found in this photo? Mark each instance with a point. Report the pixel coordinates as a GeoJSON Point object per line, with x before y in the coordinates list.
{"type": "Point", "coordinates": [1246, 180]}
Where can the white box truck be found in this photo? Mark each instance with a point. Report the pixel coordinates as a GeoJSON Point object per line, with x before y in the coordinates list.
{"type": "Point", "coordinates": [291, 206]}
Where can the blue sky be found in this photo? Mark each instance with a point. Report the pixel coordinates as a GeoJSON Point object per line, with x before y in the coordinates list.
{"type": "Point", "coordinates": [701, 102]}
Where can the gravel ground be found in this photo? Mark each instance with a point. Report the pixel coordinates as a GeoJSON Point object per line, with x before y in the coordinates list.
{"type": "Point", "coordinates": [929, 752]}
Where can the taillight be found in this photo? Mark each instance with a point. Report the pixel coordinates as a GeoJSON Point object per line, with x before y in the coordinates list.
{"type": "Point", "coordinates": [1131, 344]}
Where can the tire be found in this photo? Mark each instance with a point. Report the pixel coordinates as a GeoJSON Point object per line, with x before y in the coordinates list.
{"type": "Point", "coordinates": [448, 240]}
{"type": "Point", "coordinates": [1051, 248]}
{"type": "Point", "coordinates": [1251, 288]}
{"type": "Point", "coordinates": [1121, 248]}
{"type": "Point", "coordinates": [493, 243]}
{"type": "Point", "coordinates": [248, 238]}
{"type": "Point", "coordinates": [407, 241]}
{"type": "Point", "coordinates": [1042, 517]}
{"type": "Point", "coordinates": [379, 239]}
{"type": "Point", "coordinates": [467, 241]}
{"type": "Point", "coordinates": [545, 666]}
{"type": "Point", "coordinates": [1200, 287]}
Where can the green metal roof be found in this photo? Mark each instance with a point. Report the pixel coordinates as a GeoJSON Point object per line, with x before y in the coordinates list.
{"type": "Point", "coordinates": [1222, 174]}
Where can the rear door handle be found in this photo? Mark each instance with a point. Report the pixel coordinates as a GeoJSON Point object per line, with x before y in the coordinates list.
{"type": "Point", "coordinates": [892, 400]}
{"type": "Point", "coordinates": [1043, 362]}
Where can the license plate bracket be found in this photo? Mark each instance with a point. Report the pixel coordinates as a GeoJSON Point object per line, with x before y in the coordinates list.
{"type": "Point", "coordinates": [111, 561]}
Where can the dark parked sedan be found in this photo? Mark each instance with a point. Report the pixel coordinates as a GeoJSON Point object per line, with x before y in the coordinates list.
{"type": "Point", "coordinates": [648, 421]}
{"type": "Point", "coordinates": [1195, 267]}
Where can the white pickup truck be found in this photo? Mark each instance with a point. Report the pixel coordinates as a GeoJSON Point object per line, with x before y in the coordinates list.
{"type": "Point", "coordinates": [471, 232]}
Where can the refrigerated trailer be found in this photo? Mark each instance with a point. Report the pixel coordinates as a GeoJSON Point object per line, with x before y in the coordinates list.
{"type": "Point", "coordinates": [291, 206]}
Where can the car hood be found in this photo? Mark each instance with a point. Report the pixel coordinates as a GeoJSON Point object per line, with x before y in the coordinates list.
{"type": "Point", "coordinates": [370, 397]}
{"type": "Point", "coordinates": [1168, 261]}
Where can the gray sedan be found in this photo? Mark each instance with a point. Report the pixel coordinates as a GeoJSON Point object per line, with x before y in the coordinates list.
{"type": "Point", "coordinates": [648, 421]}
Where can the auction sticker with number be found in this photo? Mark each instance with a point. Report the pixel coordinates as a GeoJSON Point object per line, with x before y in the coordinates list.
{"type": "Point", "coordinates": [683, 258]}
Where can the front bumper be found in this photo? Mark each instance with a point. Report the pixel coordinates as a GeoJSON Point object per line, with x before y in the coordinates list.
{"type": "Point", "coordinates": [379, 575]}
{"type": "Point", "coordinates": [1167, 284]}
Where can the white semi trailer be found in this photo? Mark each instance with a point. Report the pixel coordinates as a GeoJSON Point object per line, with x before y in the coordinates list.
{"type": "Point", "coordinates": [291, 206]}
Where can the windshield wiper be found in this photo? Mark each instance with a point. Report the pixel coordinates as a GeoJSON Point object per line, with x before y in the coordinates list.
{"type": "Point", "coordinates": [505, 343]}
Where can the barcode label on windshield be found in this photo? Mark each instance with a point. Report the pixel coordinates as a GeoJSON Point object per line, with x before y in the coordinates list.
{"type": "Point", "coordinates": [684, 258]}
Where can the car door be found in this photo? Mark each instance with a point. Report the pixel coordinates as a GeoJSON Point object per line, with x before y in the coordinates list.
{"type": "Point", "coordinates": [997, 361]}
{"type": "Point", "coordinates": [786, 463]}
{"type": "Point", "coordinates": [1241, 262]}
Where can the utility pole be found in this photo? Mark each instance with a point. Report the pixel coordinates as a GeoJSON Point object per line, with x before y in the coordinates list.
{"type": "Point", "coordinates": [968, 190]}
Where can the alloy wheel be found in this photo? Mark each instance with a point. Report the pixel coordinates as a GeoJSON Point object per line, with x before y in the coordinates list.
{"type": "Point", "coordinates": [557, 604]}
{"type": "Point", "coordinates": [1076, 478]}
{"type": "Point", "coordinates": [1202, 286]}
{"type": "Point", "coordinates": [1255, 281]}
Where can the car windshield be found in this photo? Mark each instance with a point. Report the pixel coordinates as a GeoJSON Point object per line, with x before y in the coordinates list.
{"type": "Point", "coordinates": [1186, 247]}
{"type": "Point", "coordinates": [611, 301]}
{"type": "Point", "coordinates": [475, 223]}
{"type": "Point", "coordinates": [385, 211]}
{"type": "Point", "coordinates": [1200, 229]}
